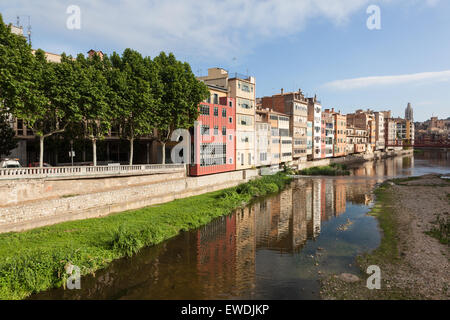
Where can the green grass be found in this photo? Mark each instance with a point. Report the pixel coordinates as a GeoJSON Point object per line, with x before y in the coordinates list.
{"type": "Point", "coordinates": [34, 260]}
{"type": "Point", "coordinates": [383, 211]}
{"type": "Point", "coordinates": [399, 181]}
{"type": "Point", "coordinates": [334, 169]}
{"type": "Point", "coordinates": [441, 231]}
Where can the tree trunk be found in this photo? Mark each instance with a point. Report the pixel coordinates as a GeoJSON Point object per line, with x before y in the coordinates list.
{"type": "Point", "coordinates": [41, 151]}
{"type": "Point", "coordinates": [94, 151]}
{"type": "Point", "coordinates": [131, 151]}
{"type": "Point", "coordinates": [163, 153]}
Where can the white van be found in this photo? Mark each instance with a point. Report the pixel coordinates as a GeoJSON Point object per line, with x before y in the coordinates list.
{"type": "Point", "coordinates": [10, 163]}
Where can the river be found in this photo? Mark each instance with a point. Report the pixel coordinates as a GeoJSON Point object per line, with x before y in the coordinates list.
{"type": "Point", "coordinates": [276, 248]}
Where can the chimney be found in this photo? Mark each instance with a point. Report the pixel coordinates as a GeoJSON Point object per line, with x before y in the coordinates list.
{"type": "Point", "coordinates": [282, 91]}
{"type": "Point", "coordinates": [332, 110]}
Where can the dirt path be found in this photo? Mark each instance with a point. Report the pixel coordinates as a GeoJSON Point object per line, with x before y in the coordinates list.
{"type": "Point", "coordinates": [414, 265]}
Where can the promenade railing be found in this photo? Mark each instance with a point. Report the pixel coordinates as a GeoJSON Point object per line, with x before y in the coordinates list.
{"type": "Point", "coordinates": [87, 171]}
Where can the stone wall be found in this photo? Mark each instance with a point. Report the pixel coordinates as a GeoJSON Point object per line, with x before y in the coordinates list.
{"type": "Point", "coordinates": [13, 192]}
{"type": "Point", "coordinates": [116, 195]}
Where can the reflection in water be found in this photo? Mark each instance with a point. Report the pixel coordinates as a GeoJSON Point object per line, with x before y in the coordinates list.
{"type": "Point", "coordinates": [274, 248]}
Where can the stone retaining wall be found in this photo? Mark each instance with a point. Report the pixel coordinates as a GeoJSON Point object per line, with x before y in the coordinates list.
{"type": "Point", "coordinates": [134, 193]}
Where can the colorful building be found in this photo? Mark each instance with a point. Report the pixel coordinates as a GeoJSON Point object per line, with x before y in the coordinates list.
{"type": "Point", "coordinates": [213, 141]}
{"type": "Point", "coordinates": [315, 116]}
{"type": "Point", "coordinates": [295, 105]}
{"type": "Point", "coordinates": [327, 134]}
{"type": "Point", "coordinates": [242, 89]}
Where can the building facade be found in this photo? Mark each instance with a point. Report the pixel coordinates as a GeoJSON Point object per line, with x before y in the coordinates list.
{"type": "Point", "coordinates": [242, 89]}
{"type": "Point", "coordinates": [295, 105]}
{"type": "Point", "coordinates": [213, 141]}
{"type": "Point", "coordinates": [315, 116]}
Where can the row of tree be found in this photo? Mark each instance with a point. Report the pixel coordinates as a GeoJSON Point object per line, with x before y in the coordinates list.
{"type": "Point", "coordinates": [85, 97]}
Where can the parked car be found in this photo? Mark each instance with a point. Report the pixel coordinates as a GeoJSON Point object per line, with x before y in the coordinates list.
{"type": "Point", "coordinates": [36, 164]}
{"type": "Point", "coordinates": [10, 163]}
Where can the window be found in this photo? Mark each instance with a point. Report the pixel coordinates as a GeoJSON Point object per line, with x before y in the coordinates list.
{"type": "Point", "coordinates": [216, 98]}
{"type": "Point", "coordinates": [20, 127]}
{"type": "Point", "coordinates": [204, 110]}
{"type": "Point", "coordinates": [245, 120]}
{"type": "Point", "coordinates": [216, 111]}
{"type": "Point", "coordinates": [230, 104]}
{"type": "Point", "coordinates": [224, 131]}
{"type": "Point", "coordinates": [216, 130]}
{"type": "Point", "coordinates": [230, 119]}
{"type": "Point", "coordinates": [204, 130]}
{"type": "Point", "coordinates": [249, 158]}
{"type": "Point", "coordinates": [224, 113]}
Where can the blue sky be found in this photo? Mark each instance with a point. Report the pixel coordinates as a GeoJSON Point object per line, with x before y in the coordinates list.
{"type": "Point", "coordinates": [321, 46]}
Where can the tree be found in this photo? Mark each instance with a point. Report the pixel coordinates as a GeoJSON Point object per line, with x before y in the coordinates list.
{"type": "Point", "coordinates": [50, 102]}
{"type": "Point", "coordinates": [93, 116]}
{"type": "Point", "coordinates": [181, 94]}
{"type": "Point", "coordinates": [7, 134]}
{"type": "Point", "coordinates": [16, 61]}
{"type": "Point", "coordinates": [130, 78]}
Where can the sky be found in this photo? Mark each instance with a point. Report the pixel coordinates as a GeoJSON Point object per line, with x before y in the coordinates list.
{"type": "Point", "coordinates": [323, 47]}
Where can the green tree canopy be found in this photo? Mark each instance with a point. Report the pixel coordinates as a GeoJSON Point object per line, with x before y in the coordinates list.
{"type": "Point", "coordinates": [7, 140]}
{"type": "Point", "coordinates": [130, 79]}
{"type": "Point", "coordinates": [181, 93]}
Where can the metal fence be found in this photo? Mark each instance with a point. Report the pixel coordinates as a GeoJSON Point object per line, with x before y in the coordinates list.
{"type": "Point", "coordinates": [56, 172]}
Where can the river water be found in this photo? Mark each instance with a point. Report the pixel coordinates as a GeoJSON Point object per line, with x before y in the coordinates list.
{"type": "Point", "coordinates": [276, 248]}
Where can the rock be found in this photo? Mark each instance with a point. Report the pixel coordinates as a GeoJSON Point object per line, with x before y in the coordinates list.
{"type": "Point", "coordinates": [348, 277]}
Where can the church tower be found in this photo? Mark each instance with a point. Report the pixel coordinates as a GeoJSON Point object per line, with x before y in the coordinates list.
{"type": "Point", "coordinates": [409, 113]}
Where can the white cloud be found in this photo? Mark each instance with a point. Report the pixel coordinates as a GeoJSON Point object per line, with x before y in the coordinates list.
{"type": "Point", "coordinates": [357, 83]}
{"type": "Point", "coordinates": [216, 28]}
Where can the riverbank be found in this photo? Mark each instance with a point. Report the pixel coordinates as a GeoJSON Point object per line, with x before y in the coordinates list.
{"type": "Point", "coordinates": [413, 215]}
{"type": "Point", "coordinates": [36, 260]}
{"type": "Point", "coordinates": [334, 169]}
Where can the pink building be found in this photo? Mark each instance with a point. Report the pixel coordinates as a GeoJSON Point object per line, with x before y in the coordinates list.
{"type": "Point", "coordinates": [214, 138]}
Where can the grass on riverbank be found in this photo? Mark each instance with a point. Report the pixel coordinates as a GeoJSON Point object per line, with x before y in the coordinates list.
{"type": "Point", "coordinates": [441, 230]}
{"type": "Point", "coordinates": [383, 211]}
{"type": "Point", "coordinates": [334, 169]}
{"type": "Point", "coordinates": [35, 260]}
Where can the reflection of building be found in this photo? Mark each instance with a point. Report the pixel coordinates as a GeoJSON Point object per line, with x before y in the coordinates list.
{"type": "Point", "coordinates": [317, 204]}
{"type": "Point", "coordinates": [299, 223]}
{"type": "Point", "coordinates": [245, 248]}
{"type": "Point", "coordinates": [340, 196]}
{"type": "Point", "coordinates": [216, 251]}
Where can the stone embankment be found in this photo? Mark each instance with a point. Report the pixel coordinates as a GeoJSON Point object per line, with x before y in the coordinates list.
{"type": "Point", "coordinates": [33, 203]}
